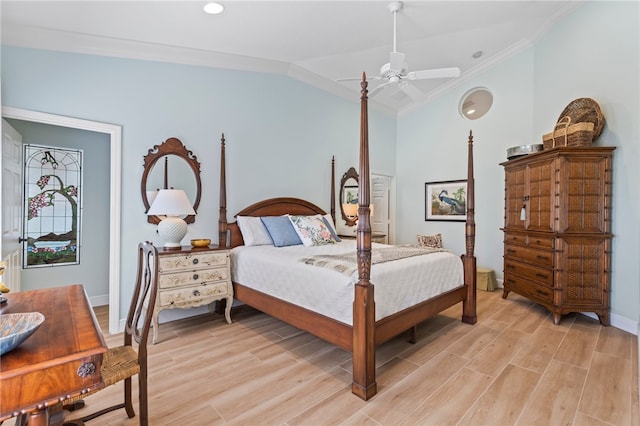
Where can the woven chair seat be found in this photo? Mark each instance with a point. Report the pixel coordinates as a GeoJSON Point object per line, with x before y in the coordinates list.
{"type": "Point", "coordinates": [117, 364]}
{"type": "Point", "coordinates": [120, 363]}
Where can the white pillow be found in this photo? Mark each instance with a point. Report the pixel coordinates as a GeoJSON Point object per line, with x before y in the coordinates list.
{"type": "Point", "coordinates": [253, 231]}
{"type": "Point", "coordinates": [312, 230]}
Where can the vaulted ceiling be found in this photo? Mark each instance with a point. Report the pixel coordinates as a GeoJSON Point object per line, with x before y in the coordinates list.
{"type": "Point", "coordinates": [314, 41]}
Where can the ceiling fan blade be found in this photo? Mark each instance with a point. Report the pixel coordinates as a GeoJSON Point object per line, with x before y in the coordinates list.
{"type": "Point", "coordinates": [358, 78]}
{"type": "Point", "coordinates": [411, 90]}
{"type": "Point", "coordinates": [434, 73]}
{"type": "Point", "coordinates": [378, 89]}
{"type": "Point", "coordinates": [396, 61]}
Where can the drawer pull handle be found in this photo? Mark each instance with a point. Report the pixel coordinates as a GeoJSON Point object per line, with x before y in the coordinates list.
{"type": "Point", "coordinates": [544, 293]}
{"type": "Point", "coordinates": [86, 369]}
{"type": "Point", "coordinates": [195, 261]}
{"type": "Point", "coordinates": [511, 251]}
{"type": "Point", "coordinates": [511, 267]}
{"type": "Point", "coordinates": [196, 292]}
{"type": "Point", "coordinates": [196, 276]}
{"type": "Point", "coordinates": [543, 257]}
{"type": "Point", "coordinates": [542, 276]}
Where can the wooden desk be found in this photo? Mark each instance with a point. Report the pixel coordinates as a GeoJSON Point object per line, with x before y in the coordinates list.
{"type": "Point", "coordinates": [61, 359]}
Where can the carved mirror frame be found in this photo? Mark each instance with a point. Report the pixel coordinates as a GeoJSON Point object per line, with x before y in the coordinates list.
{"type": "Point", "coordinates": [350, 174]}
{"type": "Point", "coordinates": [171, 146]}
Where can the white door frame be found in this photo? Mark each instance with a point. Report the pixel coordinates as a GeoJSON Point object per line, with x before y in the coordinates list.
{"type": "Point", "coordinates": [115, 135]}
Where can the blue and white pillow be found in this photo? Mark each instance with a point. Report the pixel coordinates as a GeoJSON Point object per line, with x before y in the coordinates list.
{"type": "Point", "coordinates": [312, 230]}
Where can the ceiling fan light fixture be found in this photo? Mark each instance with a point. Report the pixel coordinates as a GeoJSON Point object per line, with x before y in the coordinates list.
{"type": "Point", "coordinates": [213, 8]}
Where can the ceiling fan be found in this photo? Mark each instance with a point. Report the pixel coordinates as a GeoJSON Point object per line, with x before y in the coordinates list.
{"type": "Point", "coordinates": [395, 72]}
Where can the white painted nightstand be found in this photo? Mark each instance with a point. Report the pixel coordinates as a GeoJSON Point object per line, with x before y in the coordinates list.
{"type": "Point", "coordinates": [189, 277]}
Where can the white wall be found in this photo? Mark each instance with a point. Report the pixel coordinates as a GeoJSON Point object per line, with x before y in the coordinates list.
{"type": "Point", "coordinates": [592, 53]}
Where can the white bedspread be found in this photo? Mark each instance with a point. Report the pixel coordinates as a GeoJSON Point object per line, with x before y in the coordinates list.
{"type": "Point", "coordinates": [277, 271]}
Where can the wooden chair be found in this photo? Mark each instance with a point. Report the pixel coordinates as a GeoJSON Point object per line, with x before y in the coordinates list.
{"type": "Point", "coordinates": [123, 362]}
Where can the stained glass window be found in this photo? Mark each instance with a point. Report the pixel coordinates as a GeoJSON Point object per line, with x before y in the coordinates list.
{"type": "Point", "coordinates": [53, 208]}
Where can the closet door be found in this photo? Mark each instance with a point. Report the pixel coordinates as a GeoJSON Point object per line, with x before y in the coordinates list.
{"type": "Point", "coordinates": [514, 197]}
{"type": "Point", "coordinates": [540, 194]}
{"type": "Point", "coordinates": [586, 183]}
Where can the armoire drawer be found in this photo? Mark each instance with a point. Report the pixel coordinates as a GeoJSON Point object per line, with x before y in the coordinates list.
{"type": "Point", "coordinates": [531, 241]}
{"type": "Point", "coordinates": [532, 255]}
{"type": "Point", "coordinates": [528, 288]}
{"type": "Point", "coordinates": [542, 276]}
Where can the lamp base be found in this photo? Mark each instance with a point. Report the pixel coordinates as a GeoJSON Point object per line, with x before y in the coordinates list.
{"type": "Point", "coordinates": [172, 230]}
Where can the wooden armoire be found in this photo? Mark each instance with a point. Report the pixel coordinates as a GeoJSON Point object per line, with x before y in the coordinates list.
{"type": "Point", "coordinates": [557, 229]}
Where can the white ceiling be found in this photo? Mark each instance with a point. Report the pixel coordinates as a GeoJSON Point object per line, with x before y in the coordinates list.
{"type": "Point", "coordinates": [314, 41]}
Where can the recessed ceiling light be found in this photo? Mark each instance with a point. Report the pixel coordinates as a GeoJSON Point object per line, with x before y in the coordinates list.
{"type": "Point", "coordinates": [477, 54]}
{"type": "Point", "coordinates": [213, 8]}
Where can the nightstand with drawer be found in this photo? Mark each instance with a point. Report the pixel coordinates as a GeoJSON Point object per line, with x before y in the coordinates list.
{"type": "Point", "coordinates": [190, 277]}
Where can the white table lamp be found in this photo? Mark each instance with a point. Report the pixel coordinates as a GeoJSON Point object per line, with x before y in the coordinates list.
{"type": "Point", "coordinates": [170, 205]}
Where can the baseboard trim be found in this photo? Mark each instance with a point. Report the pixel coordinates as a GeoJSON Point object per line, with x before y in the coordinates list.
{"type": "Point", "coordinates": [100, 300]}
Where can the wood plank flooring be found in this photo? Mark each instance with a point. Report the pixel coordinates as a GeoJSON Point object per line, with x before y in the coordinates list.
{"type": "Point", "coordinates": [514, 367]}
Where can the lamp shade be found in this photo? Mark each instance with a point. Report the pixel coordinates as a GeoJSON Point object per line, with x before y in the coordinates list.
{"type": "Point", "coordinates": [171, 202]}
{"type": "Point", "coordinates": [350, 210]}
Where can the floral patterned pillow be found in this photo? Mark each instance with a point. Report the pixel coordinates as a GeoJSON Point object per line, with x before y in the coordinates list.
{"type": "Point", "coordinates": [312, 230]}
{"type": "Point", "coordinates": [433, 241]}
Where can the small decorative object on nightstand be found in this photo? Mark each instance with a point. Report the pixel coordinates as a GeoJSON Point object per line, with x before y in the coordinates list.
{"type": "Point", "coordinates": [191, 277]}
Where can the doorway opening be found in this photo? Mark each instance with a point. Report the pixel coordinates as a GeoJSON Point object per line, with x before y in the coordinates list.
{"type": "Point", "coordinates": [114, 132]}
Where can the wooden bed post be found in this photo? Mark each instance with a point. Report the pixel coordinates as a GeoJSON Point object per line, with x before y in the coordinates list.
{"type": "Point", "coordinates": [333, 189]}
{"type": "Point", "coordinates": [364, 348]}
{"type": "Point", "coordinates": [222, 216]}
{"type": "Point", "coordinates": [468, 259]}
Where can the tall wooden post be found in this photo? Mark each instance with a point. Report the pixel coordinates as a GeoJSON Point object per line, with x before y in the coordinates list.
{"type": "Point", "coordinates": [364, 349]}
{"type": "Point", "coordinates": [468, 259]}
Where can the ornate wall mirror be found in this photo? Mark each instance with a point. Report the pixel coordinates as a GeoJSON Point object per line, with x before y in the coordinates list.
{"type": "Point", "coordinates": [171, 165]}
{"type": "Point", "coordinates": [475, 103]}
{"type": "Point", "coordinates": [349, 197]}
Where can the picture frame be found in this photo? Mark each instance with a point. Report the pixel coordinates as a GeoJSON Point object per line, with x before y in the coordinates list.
{"type": "Point", "coordinates": [446, 200]}
{"type": "Point", "coordinates": [351, 194]}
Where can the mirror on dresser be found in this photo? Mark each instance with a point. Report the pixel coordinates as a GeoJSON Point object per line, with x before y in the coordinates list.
{"type": "Point", "coordinates": [171, 165]}
{"type": "Point", "coordinates": [349, 197]}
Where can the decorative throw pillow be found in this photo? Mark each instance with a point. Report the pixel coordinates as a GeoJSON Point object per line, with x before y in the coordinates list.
{"type": "Point", "coordinates": [312, 230]}
{"type": "Point", "coordinates": [328, 220]}
{"type": "Point", "coordinates": [253, 231]}
{"type": "Point", "coordinates": [281, 231]}
{"type": "Point", "coordinates": [433, 241]}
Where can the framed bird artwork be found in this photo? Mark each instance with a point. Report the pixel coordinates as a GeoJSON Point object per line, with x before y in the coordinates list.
{"type": "Point", "coordinates": [446, 200]}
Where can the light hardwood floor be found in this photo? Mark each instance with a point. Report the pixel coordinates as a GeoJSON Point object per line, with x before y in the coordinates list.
{"type": "Point", "coordinates": [514, 367]}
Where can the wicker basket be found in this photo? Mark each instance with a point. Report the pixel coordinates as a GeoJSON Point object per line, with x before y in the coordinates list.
{"type": "Point", "coordinates": [567, 134]}
{"type": "Point", "coordinates": [585, 110]}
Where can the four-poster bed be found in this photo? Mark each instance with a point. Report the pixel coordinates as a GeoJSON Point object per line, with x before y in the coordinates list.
{"type": "Point", "coordinates": [364, 332]}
